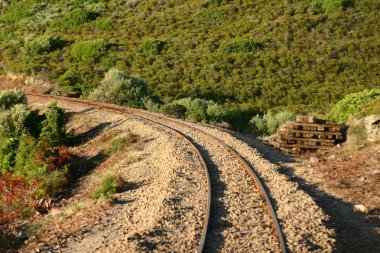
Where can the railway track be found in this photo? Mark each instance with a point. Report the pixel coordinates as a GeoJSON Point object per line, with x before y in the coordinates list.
{"type": "Point", "coordinates": [163, 122]}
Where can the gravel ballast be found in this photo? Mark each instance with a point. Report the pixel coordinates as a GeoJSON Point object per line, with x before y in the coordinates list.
{"type": "Point", "coordinates": [238, 221]}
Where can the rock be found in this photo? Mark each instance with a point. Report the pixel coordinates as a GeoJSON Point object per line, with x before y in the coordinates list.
{"type": "Point", "coordinates": [372, 125]}
{"type": "Point", "coordinates": [332, 157]}
{"type": "Point", "coordinates": [360, 208]}
{"type": "Point", "coordinates": [314, 160]}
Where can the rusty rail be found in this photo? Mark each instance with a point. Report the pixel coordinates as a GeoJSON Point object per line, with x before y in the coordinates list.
{"type": "Point", "coordinates": [255, 177]}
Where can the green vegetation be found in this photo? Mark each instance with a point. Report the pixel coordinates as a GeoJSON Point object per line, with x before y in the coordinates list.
{"type": "Point", "coordinates": [107, 188]}
{"type": "Point", "coordinates": [151, 46]}
{"type": "Point", "coordinates": [89, 50]}
{"type": "Point", "coordinates": [73, 19]}
{"type": "Point", "coordinates": [269, 123]}
{"type": "Point", "coordinates": [243, 46]}
{"type": "Point", "coordinates": [33, 155]}
{"type": "Point", "coordinates": [250, 57]}
{"type": "Point", "coordinates": [121, 89]}
{"type": "Point", "coordinates": [352, 104]}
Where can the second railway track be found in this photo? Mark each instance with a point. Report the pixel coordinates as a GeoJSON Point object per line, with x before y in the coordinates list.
{"type": "Point", "coordinates": [241, 221]}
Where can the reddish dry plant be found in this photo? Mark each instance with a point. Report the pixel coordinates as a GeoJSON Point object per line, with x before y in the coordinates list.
{"type": "Point", "coordinates": [16, 196]}
{"type": "Point", "coordinates": [55, 157]}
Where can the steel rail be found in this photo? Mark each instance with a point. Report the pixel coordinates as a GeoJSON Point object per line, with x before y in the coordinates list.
{"type": "Point", "coordinates": [255, 177]}
{"type": "Point", "coordinates": [178, 133]}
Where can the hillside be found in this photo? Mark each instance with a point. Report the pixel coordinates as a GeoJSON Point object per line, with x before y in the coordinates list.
{"type": "Point", "coordinates": [252, 55]}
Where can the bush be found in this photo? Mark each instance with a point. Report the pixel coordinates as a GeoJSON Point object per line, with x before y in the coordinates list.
{"type": "Point", "coordinates": [371, 108]}
{"type": "Point", "coordinates": [107, 188]}
{"type": "Point", "coordinates": [121, 89]}
{"type": "Point", "coordinates": [330, 6]}
{"type": "Point", "coordinates": [151, 46]}
{"type": "Point", "coordinates": [35, 46]}
{"type": "Point", "coordinates": [74, 19]}
{"type": "Point", "coordinates": [352, 104]}
{"type": "Point", "coordinates": [216, 112]}
{"type": "Point", "coordinates": [89, 50]}
{"type": "Point", "coordinates": [213, 15]}
{"type": "Point", "coordinates": [105, 24]}
{"type": "Point", "coordinates": [53, 127]}
{"type": "Point", "coordinates": [243, 45]}
{"type": "Point", "coordinates": [12, 122]}
{"type": "Point", "coordinates": [269, 123]}
{"type": "Point", "coordinates": [196, 109]}
{"type": "Point", "coordinates": [175, 110]}
{"type": "Point", "coordinates": [10, 98]}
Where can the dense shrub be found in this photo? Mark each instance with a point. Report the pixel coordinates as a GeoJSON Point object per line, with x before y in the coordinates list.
{"type": "Point", "coordinates": [213, 15]}
{"type": "Point", "coordinates": [330, 6]}
{"type": "Point", "coordinates": [89, 50]}
{"type": "Point", "coordinates": [269, 123]}
{"type": "Point", "coordinates": [74, 19]}
{"type": "Point", "coordinates": [105, 24]}
{"type": "Point", "coordinates": [351, 104]}
{"type": "Point", "coordinates": [37, 45]}
{"type": "Point", "coordinates": [12, 121]}
{"type": "Point", "coordinates": [175, 110]}
{"type": "Point", "coordinates": [10, 98]}
{"type": "Point", "coordinates": [53, 127]}
{"type": "Point", "coordinates": [371, 108]}
{"type": "Point", "coordinates": [201, 110]}
{"type": "Point", "coordinates": [151, 46]}
{"type": "Point", "coordinates": [243, 45]}
{"type": "Point", "coordinates": [120, 88]}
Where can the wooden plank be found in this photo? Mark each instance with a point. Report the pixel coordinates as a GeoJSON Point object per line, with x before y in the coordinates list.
{"type": "Point", "coordinates": [305, 139]}
{"type": "Point", "coordinates": [310, 132]}
{"type": "Point", "coordinates": [340, 126]}
{"type": "Point", "coordinates": [302, 146]}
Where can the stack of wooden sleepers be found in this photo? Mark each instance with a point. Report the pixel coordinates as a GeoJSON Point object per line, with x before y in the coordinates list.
{"type": "Point", "coordinates": [310, 133]}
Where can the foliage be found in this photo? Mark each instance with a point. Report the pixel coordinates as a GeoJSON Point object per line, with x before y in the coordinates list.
{"type": "Point", "coordinates": [201, 110]}
{"type": "Point", "coordinates": [53, 127]}
{"type": "Point", "coordinates": [352, 104]}
{"type": "Point", "coordinates": [16, 198]}
{"type": "Point", "coordinates": [120, 88]}
{"type": "Point", "coordinates": [371, 108]}
{"type": "Point", "coordinates": [89, 50]}
{"type": "Point", "coordinates": [105, 24]}
{"type": "Point", "coordinates": [38, 45]}
{"type": "Point", "coordinates": [243, 45]}
{"type": "Point", "coordinates": [151, 46]}
{"type": "Point", "coordinates": [313, 52]}
{"type": "Point", "coordinates": [107, 188]}
{"type": "Point", "coordinates": [175, 110]}
{"type": "Point", "coordinates": [74, 19]}
{"type": "Point", "coordinates": [330, 6]}
{"type": "Point", "coordinates": [12, 121]}
{"type": "Point", "coordinates": [269, 122]}
{"type": "Point", "coordinates": [9, 98]}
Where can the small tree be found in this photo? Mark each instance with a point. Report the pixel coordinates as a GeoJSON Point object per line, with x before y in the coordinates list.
{"type": "Point", "coordinates": [120, 88]}
{"type": "Point", "coordinates": [53, 127]}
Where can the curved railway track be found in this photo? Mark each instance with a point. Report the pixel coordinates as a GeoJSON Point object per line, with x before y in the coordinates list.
{"type": "Point", "coordinates": [157, 119]}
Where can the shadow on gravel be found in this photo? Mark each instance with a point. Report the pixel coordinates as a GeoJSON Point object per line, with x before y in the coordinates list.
{"type": "Point", "coordinates": [217, 223]}
{"type": "Point", "coordinates": [69, 115]}
{"type": "Point", "coordinates": [355, 232]}
{"type": "Point", "coordinates": [92, 133]}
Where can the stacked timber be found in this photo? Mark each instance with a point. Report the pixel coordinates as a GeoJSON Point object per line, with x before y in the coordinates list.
{"type": "Point", "coordinates": [310, 133]}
